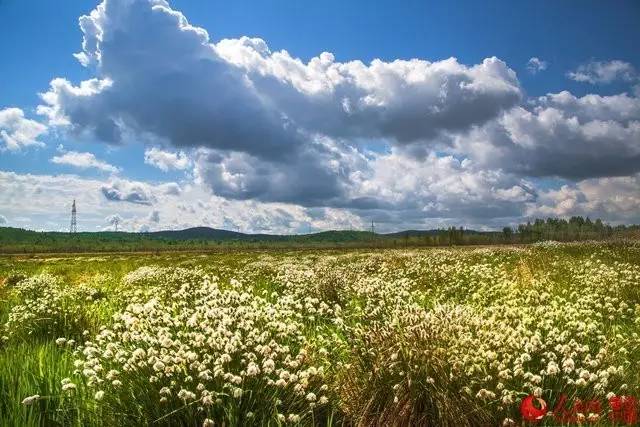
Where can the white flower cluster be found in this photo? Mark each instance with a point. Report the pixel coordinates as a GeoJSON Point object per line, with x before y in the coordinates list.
{"type": "Point", "coordinates": [196, 340]}
{"type": "Point", "coordinates": [482, 327]}
{"type": "Point", "coordinates": [47, 306]}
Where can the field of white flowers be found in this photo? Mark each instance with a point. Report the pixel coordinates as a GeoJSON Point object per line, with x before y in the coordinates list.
{"type": "Point", "coordinates": [438, 337]}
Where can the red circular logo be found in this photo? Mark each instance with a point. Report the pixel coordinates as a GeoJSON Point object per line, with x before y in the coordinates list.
{"type": "Point", "coordinates": [529, 410]}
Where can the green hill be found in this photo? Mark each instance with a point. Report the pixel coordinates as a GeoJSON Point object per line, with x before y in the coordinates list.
{"type": "Point", "coordinates": [15, 240]}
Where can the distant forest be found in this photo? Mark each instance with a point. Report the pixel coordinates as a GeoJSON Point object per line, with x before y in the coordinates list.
{"type": "Point", "coordinates": [15, 240]}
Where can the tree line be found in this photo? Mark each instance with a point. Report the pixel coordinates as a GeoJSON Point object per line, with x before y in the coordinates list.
{"type": "Point", "coordinates": [574, 229]}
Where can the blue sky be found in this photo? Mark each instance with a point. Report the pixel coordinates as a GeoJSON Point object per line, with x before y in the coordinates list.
{"type": "Point", "coordinates": [518, 173]}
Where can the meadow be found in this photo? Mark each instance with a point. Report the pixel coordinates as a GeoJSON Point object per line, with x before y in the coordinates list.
{"type": "Point", "coordinates": [433, 337]}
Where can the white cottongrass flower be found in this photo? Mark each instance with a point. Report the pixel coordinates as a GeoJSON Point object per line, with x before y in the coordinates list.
{"type": "Point", "coordinates": [294, 418]}
{"type": "Point", "coordinates": [68, 386]}
{"type": "Point", "coordinates": [485, 394]}
{"type": "Point", "coordinates": [31, 399]}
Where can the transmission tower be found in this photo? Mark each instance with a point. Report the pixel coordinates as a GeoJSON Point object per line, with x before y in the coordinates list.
{"type": "Point", "coordinates": [74, 227]}
{"type": "Point", "coordinates": [373, 228]}
{"type": "Point", "coordinates": [116, 221]}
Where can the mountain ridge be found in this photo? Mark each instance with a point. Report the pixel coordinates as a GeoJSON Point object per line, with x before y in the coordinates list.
{"type": "Point", "coordinates": [209, 234]}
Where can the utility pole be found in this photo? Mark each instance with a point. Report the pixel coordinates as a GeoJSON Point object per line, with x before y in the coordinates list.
{"type": "Point", "coordinates": [73, 228]}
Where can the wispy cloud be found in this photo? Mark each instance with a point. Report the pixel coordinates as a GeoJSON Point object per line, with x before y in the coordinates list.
{"type": "Point", "coordinates": [535, 65]}
{"type": "Point", "coordinates": [83, 161]}
{"type": "Point", "coordinates": [595, 72]}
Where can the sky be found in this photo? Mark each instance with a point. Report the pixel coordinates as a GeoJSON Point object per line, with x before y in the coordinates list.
{"type": "Point", "coordinates": [293, 117]}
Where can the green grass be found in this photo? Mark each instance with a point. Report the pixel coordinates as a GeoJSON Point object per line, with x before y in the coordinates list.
{"type": "Point", "coordinates": [29, 367]}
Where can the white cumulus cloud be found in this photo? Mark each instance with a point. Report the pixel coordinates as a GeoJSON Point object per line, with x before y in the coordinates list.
{"type": "Point", "coordinates": [259, 115]}
{"type": "Point", "coordinates": [563, 135]}
{"type": "Point", "coordinates": [17, 132]}
{"type": "Point", "coordinates": [166, 160]}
